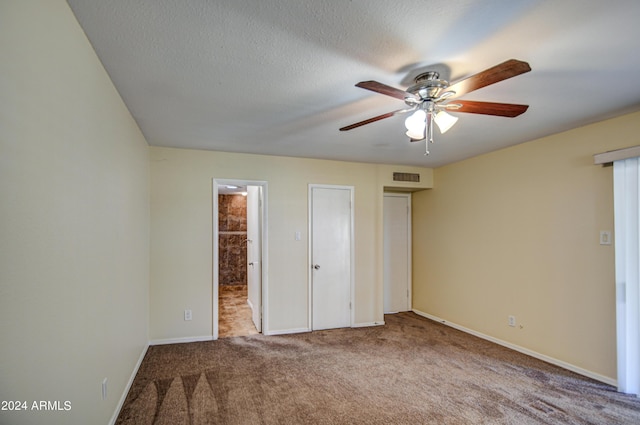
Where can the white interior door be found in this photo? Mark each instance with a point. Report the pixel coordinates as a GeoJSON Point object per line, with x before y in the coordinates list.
{"type": "Point", "coordinates": [397, 252]}
{"type": "Point", "coordinates": [331, 249]}
{"type": "Point", "coordinates": [254, 254]}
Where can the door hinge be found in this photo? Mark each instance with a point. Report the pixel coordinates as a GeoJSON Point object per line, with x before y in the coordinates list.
{"type": "Point", "coordinates": [349, 305]}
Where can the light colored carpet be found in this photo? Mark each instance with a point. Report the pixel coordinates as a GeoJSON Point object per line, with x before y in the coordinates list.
{"type": "Point", "coordinates": [410, 371]}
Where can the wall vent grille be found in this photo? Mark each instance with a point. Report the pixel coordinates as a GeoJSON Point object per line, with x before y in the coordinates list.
{"type": "Point", "coordinates": [406, 177]}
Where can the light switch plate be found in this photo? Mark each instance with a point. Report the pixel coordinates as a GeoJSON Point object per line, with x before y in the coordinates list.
{"type": "Point", "coordinates": [605, 237]}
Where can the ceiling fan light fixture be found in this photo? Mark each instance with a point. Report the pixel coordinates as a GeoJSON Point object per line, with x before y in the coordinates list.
{"type": "Point", "coordinates": [415, 124]}
{"type": "Point", "coordinates": [428, 95]}
{"type": "Point", "coordinates": [415, 136]}
{"type": "Point", "coordinates": [445, 121]}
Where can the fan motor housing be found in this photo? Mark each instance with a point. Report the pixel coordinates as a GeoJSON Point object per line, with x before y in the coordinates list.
{"type": "Point", "coordinates": [427, 85]}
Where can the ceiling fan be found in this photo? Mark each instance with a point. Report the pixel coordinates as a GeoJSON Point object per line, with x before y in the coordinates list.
{"type": "Point", "coordinates": [428, 100]}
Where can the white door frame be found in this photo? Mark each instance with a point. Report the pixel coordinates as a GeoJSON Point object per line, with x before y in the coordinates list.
{"type": "Point", "coordinates": [409, 244]}
{"type": "Point", "coordinates": [310, 250]}
{"type": "Point", "coordinates": [265, 255]}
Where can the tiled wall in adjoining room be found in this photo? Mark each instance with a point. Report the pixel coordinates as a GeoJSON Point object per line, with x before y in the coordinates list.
{"type": "Point", "coordinates": [232, 246]}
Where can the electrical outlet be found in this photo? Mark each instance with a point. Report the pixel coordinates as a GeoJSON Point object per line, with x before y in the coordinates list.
{"type": "Point", "coordinates": [187, 315]}
{"type": "Point", "coordinates": [512, 320]}
{"type": "Point", "coordinates": [104, 389]}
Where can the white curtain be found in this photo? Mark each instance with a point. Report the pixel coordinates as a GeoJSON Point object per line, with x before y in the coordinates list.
{"type": "Point", "coordinates": [626, 181]}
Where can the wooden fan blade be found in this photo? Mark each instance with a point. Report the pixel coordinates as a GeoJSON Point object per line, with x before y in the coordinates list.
{"type": "Point", "coordinates": [501, 72]}
{"type": "Point", "coordinates": [374, 119]}
{"type": "Point", "coordinates": [509, 110]}
{"type": "Point", "coordinates": [384, 89]}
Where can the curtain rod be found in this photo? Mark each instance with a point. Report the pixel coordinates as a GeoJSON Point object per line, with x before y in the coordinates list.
{"type": "Point", "coordinates": [611, 156]}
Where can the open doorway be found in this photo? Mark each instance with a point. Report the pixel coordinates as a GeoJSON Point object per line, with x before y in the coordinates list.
{"type": "Point", "coordinates": [238, 265]}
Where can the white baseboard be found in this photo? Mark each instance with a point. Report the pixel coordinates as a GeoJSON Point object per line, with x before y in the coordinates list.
{"type": "Point", "coordinates": [181, 340]}
{"type": "Point", "coordinates": [553, 361]}
{"type": "Point", "coordinates": [287, 331]}
{"type": "Point", "coordinates": [114, 418]}
{"type": "Point", "coordinates": [366, 324]}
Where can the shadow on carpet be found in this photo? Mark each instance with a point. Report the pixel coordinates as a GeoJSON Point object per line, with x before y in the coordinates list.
{"type": "Point", "coordinates": [410, 371]}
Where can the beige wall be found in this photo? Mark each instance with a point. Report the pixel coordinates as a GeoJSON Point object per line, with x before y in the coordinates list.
{"type": "Point", "coordinates": [74, 218]}
{"type": "Point", "coordinates": [181, 235]}
{"type": "Point", "coordinates": [516, 232]}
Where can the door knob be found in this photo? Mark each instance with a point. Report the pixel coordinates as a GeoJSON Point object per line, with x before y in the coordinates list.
{"type": "Point", "coordinates": [316, 266]}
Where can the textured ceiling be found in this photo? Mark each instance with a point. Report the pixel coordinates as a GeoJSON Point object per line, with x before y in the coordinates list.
{"type": "Point", "coordinates": [277, 76]}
